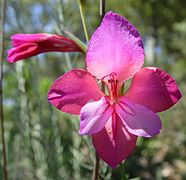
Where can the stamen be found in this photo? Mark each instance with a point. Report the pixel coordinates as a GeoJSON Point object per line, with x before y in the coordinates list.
{"type": "Point", "coordinates": [111, 74]}
{"type": "Point", "coordinates": [113, 88]}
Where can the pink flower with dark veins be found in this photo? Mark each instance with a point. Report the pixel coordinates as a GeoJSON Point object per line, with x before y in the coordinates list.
{"type": "Point", "coordinates": [28, 45]}
{"type": "Point", "coordinates": [115, 54]}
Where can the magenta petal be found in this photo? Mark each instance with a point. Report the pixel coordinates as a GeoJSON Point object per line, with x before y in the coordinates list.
{"type": "Point", "coordinates": [22, 52]}
{"type": "Point", "coordinates": [94, 115]}
{"type": "Point", "coordinates": [18, 39]}
{"type": "Point", "coordinates": [71, 91]}
{"type": "Point", "coordinates": [116, 44]}
{"type": "Point", "coordinates": [138, 119]}
{"type": "Point", "coordinates": [113, 151]}
{"type": "Point", "coordinates": [154, 89]}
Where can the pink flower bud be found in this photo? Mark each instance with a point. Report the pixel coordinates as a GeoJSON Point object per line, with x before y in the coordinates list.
{"type": "Point", "coordinates": [28, 45]}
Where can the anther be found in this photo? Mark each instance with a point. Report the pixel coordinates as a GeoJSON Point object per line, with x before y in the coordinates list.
{"type": "Point", "coordinates": [110, 80]}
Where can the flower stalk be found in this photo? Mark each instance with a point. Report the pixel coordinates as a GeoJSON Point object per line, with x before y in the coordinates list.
{"type": "Point", "coordinates": [96, 166]}
{"type": "Point", "coordinates": [102, 9]}
{"type": "Point", "coordinates": [76, 40]}
{"type": "Point", "coordinates": [81, 9]}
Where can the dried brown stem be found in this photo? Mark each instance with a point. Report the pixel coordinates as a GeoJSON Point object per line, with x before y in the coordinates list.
{"type": "Point", "coordinates": [96, 168]}
{"type": "Point", "coordinates": [2, 21]}
{"type": "Point", "coordinates": [102, 9]}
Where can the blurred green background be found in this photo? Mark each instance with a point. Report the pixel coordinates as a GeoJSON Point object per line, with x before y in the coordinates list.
{"type": "Point", "coordinates": [43, 143]}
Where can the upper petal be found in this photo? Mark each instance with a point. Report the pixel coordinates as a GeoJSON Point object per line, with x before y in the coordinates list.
{"type": "Point", "coordinates": [114, 150]}
{"type": "Point", "coordinates": [71, 91]}
{"type": "Point", "coordinates": [115, 47]}
{"type": "Point", "coordinates": [94, 115]}
{"type": "Point", "coordinates": [138, 119]}
{"type": "Point", "coordinates": [18, 39]}
{"type": "Point", "coordinates": [154, 89]}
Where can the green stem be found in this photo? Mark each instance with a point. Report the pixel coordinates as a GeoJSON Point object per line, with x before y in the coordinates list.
{"type": "Point", "coordinates": [63, 29]}
{"type": "Point", "coordinates": [123, 172]}
{"type": "Point", "coordinates": [81, 9]}
{"type": "Point", "coordinates": [77, 41]}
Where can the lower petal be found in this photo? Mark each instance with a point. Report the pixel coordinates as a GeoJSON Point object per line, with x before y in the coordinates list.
{"type": "Point", "coordinates": [94, 115]}
{"type": "Point", "coordinates": [22, 52]}
{"type": "Point", "coordinates": [138, 119]}
{"type": "Point", "coordinates": [114, 150]}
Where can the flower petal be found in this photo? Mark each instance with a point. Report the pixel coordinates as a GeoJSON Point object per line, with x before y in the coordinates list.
{"type": "Point", "coordinates": [18, 39]}
{"type": "Point", "coordinates": [117, 44]}
{"type": "Point", "coordinates": [22, 52]}
{"type": "Point", "coordinates": [114, 150]}
{"type": "Point", "coordinates": [154, 89]}
{"type": "Point", "coordinates": [71, 91]}
{"type": "Point", "coordinates": [94, 115]}
{"type": "Point", "coordinates": [137, 119]}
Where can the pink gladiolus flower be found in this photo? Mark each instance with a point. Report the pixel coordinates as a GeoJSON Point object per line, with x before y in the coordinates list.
{"type": "Point", "coordinates": [28, 45]}
{"type": "Point", "coordinates": [115, 54]}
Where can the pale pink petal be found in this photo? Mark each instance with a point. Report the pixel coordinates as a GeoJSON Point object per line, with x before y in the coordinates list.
{"type": "Point", "coordinates": [94, 115]}
{"type": "Point", "coordinates": [114, 150]}
{"type": "Point", "coordinates": [115, 47]}
{"type": "Point", "coordinates": [138, 119]}
{"type": "Point", "coordinates": [154, 89]}
{"type": "Point", "coordinates": [71, 91]}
